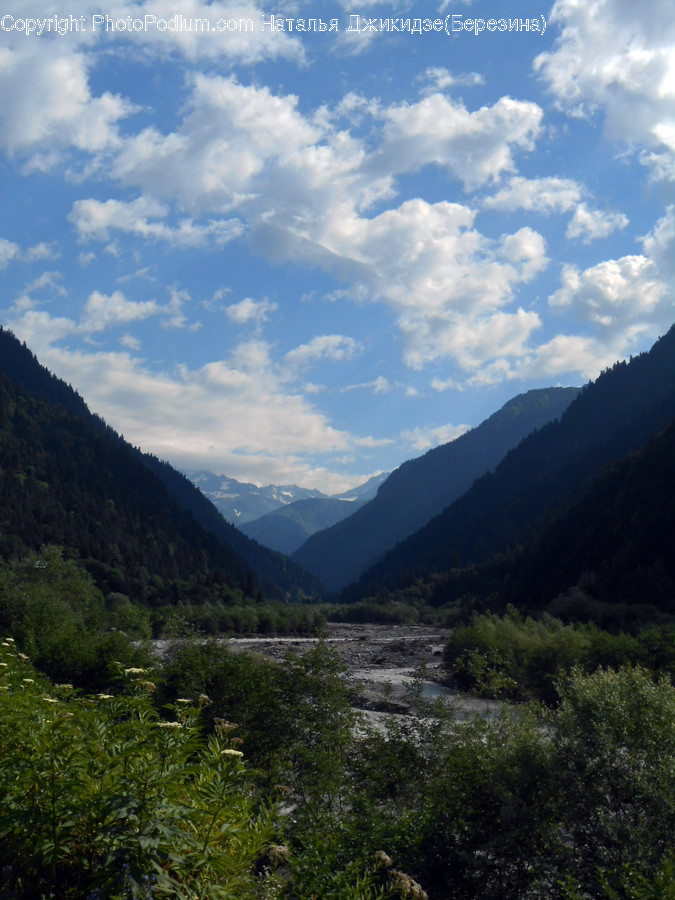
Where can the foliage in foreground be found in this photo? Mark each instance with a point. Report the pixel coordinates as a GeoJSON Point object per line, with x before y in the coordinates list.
{"type": "Point", "coordinates": [103, 798]}
{"type": "Point", "coordinates": [100, 793]}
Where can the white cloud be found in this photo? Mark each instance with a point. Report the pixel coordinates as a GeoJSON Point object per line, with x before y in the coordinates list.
{"type": "Point", "coordinates": [102, 311]}
{"type": "Point", "coordinates": [249, 310]}
{"type": "Point", "coordinates": [130, 342]}
{"type": "Point", "coordinates": [446, 282]}
{"type": "Point", "coordinates": [526, 250]}
{"type": "Point", "coordinates": [232, 136]}
{"type": "Point", "coordinates": [543, 195]}
{"type": "Point", "coordinates": [477, 147]}
{"type": "Point", "coordinates": [424, 438]}
{"type": "Point", "coordinates": [440, 79]}
{"type": "Point", "coordinates": [187, 416]}
{"type": "Point", "coordinates": [8, 251]}
{"type": "Point", "coordinates": [41, 251]}
{"type": "Point", "coordinates": [379, 385]}
{"type": "Point", "coordinates": [335, 347]}
{"type": "Point", "coordinates": [590, 224]}
{"type": "Point", "coordinates": [618, 56]}
{"type": "Point", "coordinates": [95, 220]}
{"type": "Point", "coordinates": [611, 292]}
{"type": "Point", "coordinates": [47, 102]}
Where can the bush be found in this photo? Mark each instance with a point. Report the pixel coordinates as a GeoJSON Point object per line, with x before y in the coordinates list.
{"type": "Point", "coordinates": [103, 798]}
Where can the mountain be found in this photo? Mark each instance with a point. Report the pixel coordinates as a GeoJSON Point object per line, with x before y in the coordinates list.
{"type": "Point", "coordinates": [614, 546]}
{"type": "Point", "coordinates": [288, 528]}
{"type": "Point", "coordinates": [422, 487]}
{"type": "Point", "coordinates": [552, 469]}
{"type": "Point", "coordinates": [139, 526]}
{"type": "Point", "coordinates": [240, 502]}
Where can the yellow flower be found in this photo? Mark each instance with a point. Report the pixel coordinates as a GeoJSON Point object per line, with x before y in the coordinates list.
{"type": "Point", "coordinates": [230, 752]}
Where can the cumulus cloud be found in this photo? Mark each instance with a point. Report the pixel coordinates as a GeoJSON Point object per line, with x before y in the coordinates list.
{"type": "Point", "coordinates": [335, 347]}
{"type": "Point", "coordinates": [102, 311]}
{"type": "Point", "coordinates": [423, 438]}
{"type": "Point", "coordinates": [542, 195]}
{"type": "Point", "coordinates": [611, 56]}
{"type": "Point", "coordinates": [95, 220]}
{"type": "Point", "coordinates": [440, 79]}
{"type": "Point", "coordinates": [47, 103]}
{"type": "Point", "coordinates": [590, 224]}
{"type": "Point", "coordinates": [627, 298]}
{"type": "Point", "coordinates": [476, 147]}
{"type": "Point", "coordinates": [249, 310]}
{"type": "Point", "coordinates": [188, 415]}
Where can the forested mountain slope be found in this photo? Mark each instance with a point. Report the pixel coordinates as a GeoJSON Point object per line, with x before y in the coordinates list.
{"type": "Point", "coordinates": [422, 487]}
{"type": "Point", "coordinates": [550, 470]}
{"type": "Point", "coordinates": [142, 527]}
{"type": "Point", "coordinates": [616, 545]}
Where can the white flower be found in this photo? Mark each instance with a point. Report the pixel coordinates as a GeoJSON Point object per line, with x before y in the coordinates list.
{"type": "Point", "coordinates": [229, 752]}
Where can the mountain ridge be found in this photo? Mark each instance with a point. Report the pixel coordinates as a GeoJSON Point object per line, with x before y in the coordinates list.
{"type": "Point", "coordinates": [422, 487]}
{"type": "Point", "coordinates": [549, 471]}
{"type": "Point", "coordinates": [41, 416]}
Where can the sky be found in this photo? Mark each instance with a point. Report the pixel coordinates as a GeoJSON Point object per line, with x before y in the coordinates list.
{"type": "Point", "coordinates": [304, 256]}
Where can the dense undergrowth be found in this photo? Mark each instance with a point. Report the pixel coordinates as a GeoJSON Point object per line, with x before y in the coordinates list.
{"type": "Point", "coordinates": [214, 774]}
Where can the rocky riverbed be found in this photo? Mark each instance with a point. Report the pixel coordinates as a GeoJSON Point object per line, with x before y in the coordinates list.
{"type": "Point", "coordinates": [381, 662]}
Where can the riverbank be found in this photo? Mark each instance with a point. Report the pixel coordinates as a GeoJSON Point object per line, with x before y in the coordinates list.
{"type": "Point", "coordinates": [381, 662]}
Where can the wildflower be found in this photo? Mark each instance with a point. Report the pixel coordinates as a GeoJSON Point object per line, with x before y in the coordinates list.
{"type": "Point", "coordinates": [4, 665]}
{"type": "Point", "coordinates": [277, 854]}
{"type": "Point", "coordinates": [230, 752]}
{"type": "Point", "coordinates": [10, 640]}
{"type": "Point", "coordinates": [204, 700]}
{"type": "Point", "coordinates": [64, 687]}
{"type": "Point", "coordinates": [169, 725]}
{"type": "Point", "coordinates": [149, 686]}
{"type": "Point", "coordinates": [105, 696]}
{"type": "Point", "coordinates": [4, 644]}
{"type": "Point", "coordinates": [183, 700]}
{"type": "Point", "coordinates": [134, 670]}
{"type": "Point", "coordinates": [223, 726]}
{"type": "Point", "coordinates": [29, 680]}
{"type": "Point", "coordinates": [49, 699]}
{"type": "Point", "coordinates": [22, 656]}
{"type": "Point", "coordinates": [383, 860]}
{"type": "Point", "coordinates": [4, 687]}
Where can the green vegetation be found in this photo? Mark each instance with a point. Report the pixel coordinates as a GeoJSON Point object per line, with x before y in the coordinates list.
{"type": "Point", "coordinates": [103, 798]}
{"type": "Point", "coordinates": [139, 790]}
{"type": "Point", "coordinates": [515, 658]}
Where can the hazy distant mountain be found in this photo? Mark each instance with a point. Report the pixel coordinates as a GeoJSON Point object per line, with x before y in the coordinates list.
{"type": "Point", "coordinates": [240, 502]}
{"type": "Point", "coordinates": [552, 469]}
{"type": "Point", "coordinates": [288, 527]}
{"type": "Point", "coordinates": [422, 487]}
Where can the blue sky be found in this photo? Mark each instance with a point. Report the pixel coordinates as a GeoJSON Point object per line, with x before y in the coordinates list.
{"type": "Point", "coordinates": [306, 257]}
